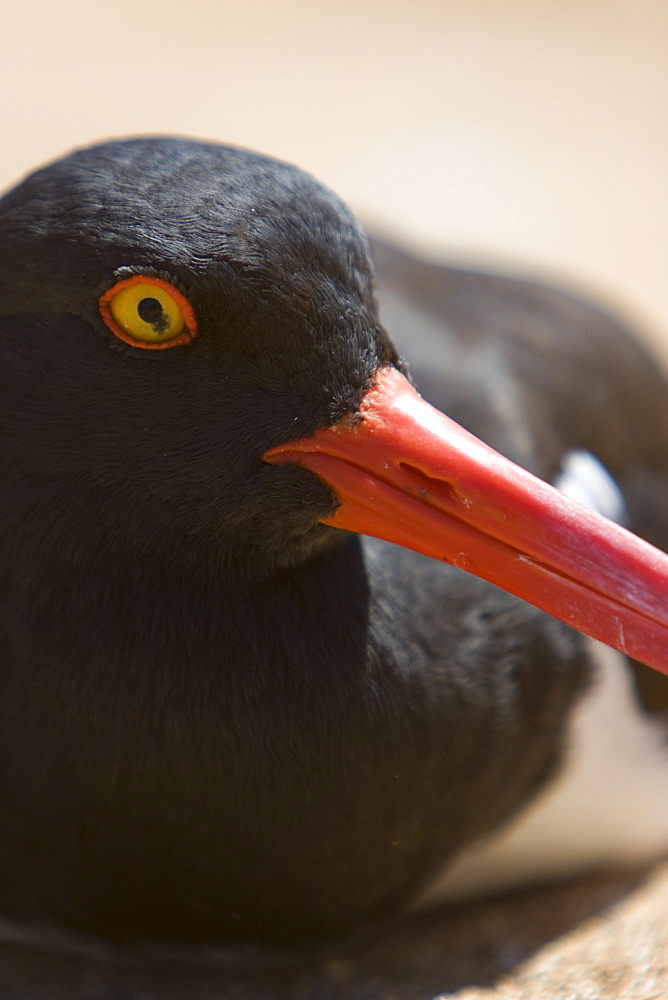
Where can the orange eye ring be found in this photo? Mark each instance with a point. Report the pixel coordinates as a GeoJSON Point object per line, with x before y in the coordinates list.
{"type": "Point", "coordinates": [148, 312]}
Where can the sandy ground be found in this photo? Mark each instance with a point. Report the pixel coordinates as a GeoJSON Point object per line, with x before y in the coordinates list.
{"type": "Point", "coordinates": [532, 136]}
{"type": "Point", "coordinates": [602, 938]}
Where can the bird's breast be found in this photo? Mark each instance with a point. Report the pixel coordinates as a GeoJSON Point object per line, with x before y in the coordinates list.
{"type": "Point", "coordinates": [301, 777]}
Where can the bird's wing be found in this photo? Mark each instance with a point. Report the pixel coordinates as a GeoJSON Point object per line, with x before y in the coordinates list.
{"type": "Point", "coordinates": [538, 373]}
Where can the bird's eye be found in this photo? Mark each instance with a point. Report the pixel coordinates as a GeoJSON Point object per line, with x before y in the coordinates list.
{"type": "Point", "coordinates": [148, 312]}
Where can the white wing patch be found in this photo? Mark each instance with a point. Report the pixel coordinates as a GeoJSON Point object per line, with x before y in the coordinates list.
{"type": "Point", "coordinates": [585, 479]}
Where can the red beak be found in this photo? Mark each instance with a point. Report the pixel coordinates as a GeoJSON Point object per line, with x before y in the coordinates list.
{"type": "Point", "coordinates": [409, 474]}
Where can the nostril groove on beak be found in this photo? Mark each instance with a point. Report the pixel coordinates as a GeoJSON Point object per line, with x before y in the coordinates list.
{"type": "Point", "coordinates": [439, 488]}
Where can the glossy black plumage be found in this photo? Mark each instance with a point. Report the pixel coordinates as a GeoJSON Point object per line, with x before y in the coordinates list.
{"type": "Point", "coordinates": [223, 721]}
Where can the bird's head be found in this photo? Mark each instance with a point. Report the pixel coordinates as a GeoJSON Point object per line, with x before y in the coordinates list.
{"type": "Point", "coordinates": [170, 310]}
{"type": "Point", "coordinates": [184, 325]}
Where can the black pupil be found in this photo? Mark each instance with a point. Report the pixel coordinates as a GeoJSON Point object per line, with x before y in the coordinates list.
{"type": "Point", "coordinates": [151, 312]}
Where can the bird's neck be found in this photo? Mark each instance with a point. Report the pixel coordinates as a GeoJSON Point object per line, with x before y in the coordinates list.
{"type": "Point", "coordinates": [144, 627]}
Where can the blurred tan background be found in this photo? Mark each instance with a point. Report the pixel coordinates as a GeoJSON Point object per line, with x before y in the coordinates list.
{"type": "Point", "coordinates": [527, 133]}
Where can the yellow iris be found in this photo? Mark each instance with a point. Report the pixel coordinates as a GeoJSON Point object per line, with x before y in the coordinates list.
{"type": "Point", "coordinates": [146, 312]}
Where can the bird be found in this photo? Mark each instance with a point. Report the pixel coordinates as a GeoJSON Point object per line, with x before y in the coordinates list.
{"type": "Point", "coordinates": [270, 676]}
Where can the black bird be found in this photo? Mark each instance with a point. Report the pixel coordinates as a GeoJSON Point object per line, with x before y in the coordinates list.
{"type": "Point", "coordinates": [222, 718]}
